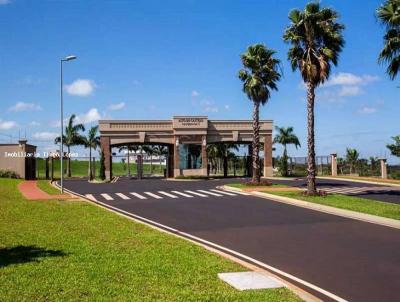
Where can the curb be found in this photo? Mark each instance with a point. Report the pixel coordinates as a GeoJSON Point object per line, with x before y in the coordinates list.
{"type": "Point", "coordinates": [388, 222]}
{"type": "Point", "coordinates": [214, 248]}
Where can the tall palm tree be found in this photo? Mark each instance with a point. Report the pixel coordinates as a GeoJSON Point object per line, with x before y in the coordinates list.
{"type": "Point", "coordinates": [92, 141]}
{"type": "Point", "coordinates": [149, 150]}
{"type": "Point", "coordinates": [389, 15]}
{"type": "Point", "coordinates": [316, 40]}
{"type": "Point", "coordinates": [286, 137]}
{"type": "Point", "coordinates": [259, 76]}
{"type": "Point", "coordinates": [128, 149]}
{"type": "Point", "coordinates": [352, 157]}
{"type": "Point", "coordinates": [72, 137]}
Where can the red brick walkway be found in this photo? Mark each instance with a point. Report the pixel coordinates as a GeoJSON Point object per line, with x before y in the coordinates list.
{"type": "Point", "coordinates": [31, 191]}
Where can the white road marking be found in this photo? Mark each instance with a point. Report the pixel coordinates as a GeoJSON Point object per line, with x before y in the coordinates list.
{"type": "Point", "coordinates": [153, 195]}
{"type": "Point", "coordinates": [223, 192]}
{"type": "Point", "coordinates": [242, 193]}
{"type": "Point", "coordinates": [106, 196]}
{"type": "Point", "coordinates": [210, 193]}
{"type": "Point", "coordinates": [196, 193]}
{"type": "Point", "coordinates": [91, 197]}
{"type": "Point", "coordinates": [138, 195]}
{"type": "Point", "coordinates": [167, 194]}
{"type": "Point", "coordinates": [123, 196]}
{"type": "Point", "coordinates": [182, 194]}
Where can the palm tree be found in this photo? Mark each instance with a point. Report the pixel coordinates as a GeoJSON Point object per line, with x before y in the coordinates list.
{"type": "Point", "coordinates": [92, 141]}
{"type": "Point", "coordinates": [389, 15]}
{"type": "Point", "coordinates": [352, 156]}
{"type": "Point", "coordinates": [72, 137]}
{"type": "Point", "coordinates": [259, 76]}
{"type": "Point", "coordinates": [160, 151]}
{"type": "Point", "coordinates": [395, 148]}
{"type": "Point", "coordinates": [286, 137]}
{"type": "Point", "coordinates": [373, 160]}
{"type": "Point", "coordinates": [316, 41]}
{"type": "Point", "coordinates": [149, 150]}
{"type": "Point", "coordinates": [128, 149]}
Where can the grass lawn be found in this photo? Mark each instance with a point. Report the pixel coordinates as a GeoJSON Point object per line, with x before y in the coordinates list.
{"type": "Point", "coordinates": [45, 186]}
{"type": "Point", "coordinates": [356, 204]}
{"type": "Point", "coordinates": [79, 168]}
{"type": "Point", "coordinates": [74, 251]}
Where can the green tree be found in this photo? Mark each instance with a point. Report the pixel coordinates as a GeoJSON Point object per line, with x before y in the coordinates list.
{"type": "Point", "coordinates": [286, 137]}
{"type": "Point", "coordinates": [389, 15]}
{"type": "Point", "coordinates": [352, 157]}
{"type": "Point", "coordinates": [316, 40]}
{"type": "Point", "coordinates": [160, 151]}
{"type": "Point", "coordinates": [129, 149]}
{"type": "Point", "coordinates": [72, 137]}
{"type": "Point", "coordinates": [259, 76]}
{"type": "Point", "coordinates": [395, 148]}
{"type": "Point", "coordinates": [92, 141]}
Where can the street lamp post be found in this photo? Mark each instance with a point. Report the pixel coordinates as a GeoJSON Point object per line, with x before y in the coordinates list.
{"type": "Point", "coordinates": [69, 58]}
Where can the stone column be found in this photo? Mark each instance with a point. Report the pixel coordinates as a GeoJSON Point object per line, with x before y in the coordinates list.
{"type": "Point", "coordinates": [204, 161]}
{"type": "Point", "coordinates": [383, 168]}
{"type": "Point", "coordinates": [334, 164]}
{"type": "Point", "coordinates": [176, 157]}
{"type": "Point", "coordinates": [268, 171]}
{"type": "Point", "coordinates": [106, 149]}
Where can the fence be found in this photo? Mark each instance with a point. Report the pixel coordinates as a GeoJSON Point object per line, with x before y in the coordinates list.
{"type": "Point", "coordinates": [297, 166]}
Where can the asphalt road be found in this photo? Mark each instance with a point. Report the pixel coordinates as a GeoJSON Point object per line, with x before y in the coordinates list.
{"type": "Point", "coordinates": [354, 260]}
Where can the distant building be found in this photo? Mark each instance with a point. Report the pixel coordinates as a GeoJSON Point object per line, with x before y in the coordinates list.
{"type": "Point", "coordinates": [19, 158]}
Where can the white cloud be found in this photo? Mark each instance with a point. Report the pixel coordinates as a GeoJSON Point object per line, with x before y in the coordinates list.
{"type": "Point", "coordinates": [92, 115]}
{"type": "Point", "coordinates": [3, 2]}
{"type": "Point", "coordinates": [81, 87]}
{"type": "Point", "coordinates": [6, 125]}
{"type": "Point", "coordinates": [208, 106]}
{"type": "Point", "coordinates": [45, 136]}
{"type": "Point", "coordinates": [34, 124]}
{"type": "Point", "coordinates": [367, 110]}
{"type": "Point", "coordinates": [118, 106]}
{"type": "Point", "coordinates": [21, 106]}
{"type": "Point", "coordinates": [195, 93]}
{"type": "Point", "coordinates": [350, 91]}
{"type": "Point", "coordinates": [345, 78]}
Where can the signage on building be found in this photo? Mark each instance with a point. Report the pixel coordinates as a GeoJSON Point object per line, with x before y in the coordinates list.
{"type": "Point", "coordinates": [190, 122]}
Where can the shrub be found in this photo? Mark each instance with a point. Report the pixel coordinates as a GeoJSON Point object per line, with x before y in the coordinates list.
{"type": "Point", "coordinates": [8, 174]}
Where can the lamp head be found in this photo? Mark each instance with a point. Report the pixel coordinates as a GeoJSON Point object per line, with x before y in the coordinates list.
{"type": "Point", "coordinates": [69, 58]}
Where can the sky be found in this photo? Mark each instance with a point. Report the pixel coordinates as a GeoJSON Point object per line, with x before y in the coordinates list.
{"type": "Point", "coordinates": [155, 59]}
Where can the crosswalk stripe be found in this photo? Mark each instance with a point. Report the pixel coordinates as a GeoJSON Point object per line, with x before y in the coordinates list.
{"type": "Point", "coordinates": [153, 195]}
{"type": "Point", "coordinates": [196, 193]}
{"type": "Point", "coordinates": [182, 194]}
{"type": "Point", "coordinates": [91, 197]}
{"type": "Point", "coordinates": [223, 192]}
{"type": "Point", "coordinates": [167, 194]}
{"type": "Point", "coordinates": [123, 196]}
{"type": "Point", "coordinates": [138, 195]}
{"type": "Point", "coordinates": [208, 192]}
{"type": "Point", "coordinates": [242, 193]}
{"type": "Point", "coordinates": [106, 196]}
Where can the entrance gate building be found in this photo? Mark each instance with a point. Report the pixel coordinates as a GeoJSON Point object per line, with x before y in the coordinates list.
{"type": "Point", "coordinates": [186, 138]}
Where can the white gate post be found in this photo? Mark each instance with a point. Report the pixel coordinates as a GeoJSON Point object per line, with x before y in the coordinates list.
{"type": "Point", "coordinates": [334, 164]}
{"type": "Point", "coordinates": [383, 168]}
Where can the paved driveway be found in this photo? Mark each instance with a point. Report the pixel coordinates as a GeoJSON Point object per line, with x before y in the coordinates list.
{"type": "Point", "coordinates": [354, 260]}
